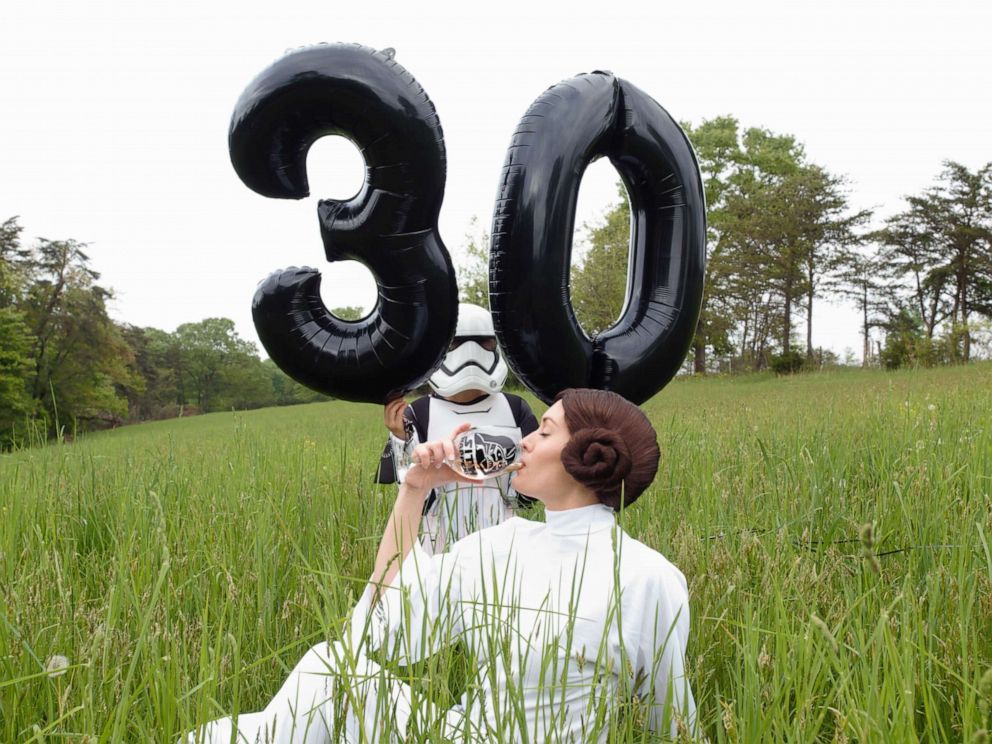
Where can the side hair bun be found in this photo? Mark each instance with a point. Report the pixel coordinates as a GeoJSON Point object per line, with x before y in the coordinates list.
{"type": "Point", "coordinates": [598, 459]}
{"type": "Point", "coordinates": [612, 450]}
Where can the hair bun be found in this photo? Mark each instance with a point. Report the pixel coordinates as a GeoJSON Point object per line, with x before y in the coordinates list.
{"type": "Point", "coordinates": [597, 458]}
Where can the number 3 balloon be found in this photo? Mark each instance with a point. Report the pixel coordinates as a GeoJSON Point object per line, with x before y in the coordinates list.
{"type": "Point", "coordinates": [566, 128]}
{"type": "Point", "coordinates": [391, 227]}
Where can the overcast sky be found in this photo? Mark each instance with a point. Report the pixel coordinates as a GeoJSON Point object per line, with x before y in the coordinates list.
{"type": "Point", "coordinates": [113, 127]}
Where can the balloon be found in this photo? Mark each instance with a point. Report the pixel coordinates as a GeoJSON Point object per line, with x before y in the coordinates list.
{"type": "Point", "coordinates": [565, 129]}
{"type": "Point", "coordinates": [390, 225]}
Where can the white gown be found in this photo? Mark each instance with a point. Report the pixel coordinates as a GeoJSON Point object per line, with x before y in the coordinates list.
{"type": "Point", "coordinates": [564, 621]}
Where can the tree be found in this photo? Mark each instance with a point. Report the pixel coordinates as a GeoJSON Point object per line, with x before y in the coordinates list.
{"type": "Point", "coordinates": [473, 268]}
{"type": "Point", "coordinates": [155, 353]}
{"type": "Point", "coordinates": [861, 278]}
{"type": "Point", "coordinates": [911, 254]}
{"type": "Point", "coordinates": [751, 267]}
{"type": "Point", "coordinates": [348, 312]}
{"type": "Point", "coordinates": [827, 232]}
{"type": "Point", "coordinates": [943, 243]}
{"type": "Point", "coordinates": [15, 337]}
{"type": "Point", "coordinates": [599, 285]}
{"type": "Point", "coordinates": [211, 356]}
{"type": "Point", "coordinates": [905, 343]}
{"type": "Point", "coordinates": [79, 360]}
{"type": "Point", "coordinates": [777, 227]}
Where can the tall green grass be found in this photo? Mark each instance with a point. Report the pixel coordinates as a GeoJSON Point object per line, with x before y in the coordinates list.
{"type": "Point", "coordinates": [836, 532]}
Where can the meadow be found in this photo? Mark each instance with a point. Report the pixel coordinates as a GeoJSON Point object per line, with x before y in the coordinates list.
{"type": "Point", "coordinates": [835, 530]}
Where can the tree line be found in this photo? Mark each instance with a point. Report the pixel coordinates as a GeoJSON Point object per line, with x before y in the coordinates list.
{"type": "Point", "coordinates": [781, 235]}
{"type": "Point", "coordinates": [65, 365]}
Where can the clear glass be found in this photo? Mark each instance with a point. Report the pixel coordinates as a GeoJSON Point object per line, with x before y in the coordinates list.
{"type": "Point", "coordinates": [404, 459]}
{"type": "Point", "coordinates": [486, 451]}
{"type": "Point", "coordinates": [481, 452]}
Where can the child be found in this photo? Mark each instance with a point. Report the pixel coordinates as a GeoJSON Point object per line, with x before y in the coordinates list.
{"type": "Point", "coordinates": [466, 388]}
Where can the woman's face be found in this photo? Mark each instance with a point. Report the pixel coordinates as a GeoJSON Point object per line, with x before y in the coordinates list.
{"type": "Point", "coordinates": [543, 475]}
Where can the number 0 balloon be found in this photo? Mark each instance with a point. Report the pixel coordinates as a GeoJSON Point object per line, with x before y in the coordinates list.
{"type": "Point", "coordinates": [390, 225]}
{"type": "Point", "coordinates": [570, 125]}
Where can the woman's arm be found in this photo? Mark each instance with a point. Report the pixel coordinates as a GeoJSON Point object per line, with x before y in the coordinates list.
{"type": "Point", "coordinates": [403, 526]}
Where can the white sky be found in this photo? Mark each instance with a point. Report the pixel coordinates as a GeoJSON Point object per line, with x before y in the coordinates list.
{"type": "Point", "coordinates": [113, 127]}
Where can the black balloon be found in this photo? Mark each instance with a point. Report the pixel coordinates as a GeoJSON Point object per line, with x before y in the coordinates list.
{"type": "Point", "coordinates": [565, 129]}
{"type": "Point", "coordinates": [390, 225]}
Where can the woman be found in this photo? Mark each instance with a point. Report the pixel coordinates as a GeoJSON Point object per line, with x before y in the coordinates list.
{"type": "Point", "coordinates": [570, 625]}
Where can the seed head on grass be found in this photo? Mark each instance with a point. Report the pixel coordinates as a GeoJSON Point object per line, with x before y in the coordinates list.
{"type": "Point", "coordinates": [56, 666]}
{"type": "Point", "coordinates": [764, 658]}
{"type": "Point", "coordinates": [867, 535]}
{"type": "Point", "coordinates": [985, 692]}
{"type": "Point", "coordinates": [825, 631]}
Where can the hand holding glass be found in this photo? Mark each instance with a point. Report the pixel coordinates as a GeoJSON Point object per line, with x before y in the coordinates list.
{"type": "Point", "coordinates": [480, 453]}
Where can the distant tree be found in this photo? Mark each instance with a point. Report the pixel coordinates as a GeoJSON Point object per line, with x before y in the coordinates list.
{"type": "Point", "coordinates": [777, 228]}
{"type": "Point", "coordinates": [473, 266]}
{"type": "Point", "coordinates": [155, 353]}
{"type": "Point", "coordinates": [213, 361]}
{"type": "Point", "coordinates": [914, 256]}
{"type": "Point", "coordinates": [14, 264]}
{"type": "Point", "coordinates": [599, 283]}
{"type": "Point", "coordinates": [906, 345]}
{"type": "Point", "coordinates": [942, 244]}
{"type": "Point", "coordinates": [15, 336]}
{"type": "Point", "coordinates": [79, 359]}
{"type": "Point", "coordinates": [861, 278]}
{"type": "Point", "coordinates": [349, 312]}
{"type": "Point", "coordinates": [753, 278]}
{"type": "Point", "coordinates": [245, 385]}
{"type": "Point", "coordinates": [827, 233]}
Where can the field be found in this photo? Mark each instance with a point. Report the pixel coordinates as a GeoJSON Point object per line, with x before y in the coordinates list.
{"type": "Point", "coordinates": [835, 530]}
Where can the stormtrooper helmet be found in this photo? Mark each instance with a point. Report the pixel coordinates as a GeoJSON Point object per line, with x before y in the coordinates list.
{"type": "Point", "coordinates": [473, 361]}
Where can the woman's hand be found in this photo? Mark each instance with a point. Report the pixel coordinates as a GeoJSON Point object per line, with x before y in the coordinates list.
{"type": "Point", "coordinates": [429, 467]}
{"type": "Point", "coordinates": [392, 417]}
{"type": "Point", "coordinates": [428, 471]}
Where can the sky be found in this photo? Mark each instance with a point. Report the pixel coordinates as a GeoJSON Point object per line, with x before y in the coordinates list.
{"type": "Point", "coordinates": [114, 118]}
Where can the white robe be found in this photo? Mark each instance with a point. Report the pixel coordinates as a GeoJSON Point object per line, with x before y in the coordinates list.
{"type": "Point", "coordinates": [563, 621]}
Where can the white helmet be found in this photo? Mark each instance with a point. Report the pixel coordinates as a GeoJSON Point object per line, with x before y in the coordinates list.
{"type": "Point", "coordinates": [473, 362]}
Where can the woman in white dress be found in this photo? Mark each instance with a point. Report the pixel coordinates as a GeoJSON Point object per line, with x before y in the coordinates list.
{"type": "Point", "coordinates": [570, 625]}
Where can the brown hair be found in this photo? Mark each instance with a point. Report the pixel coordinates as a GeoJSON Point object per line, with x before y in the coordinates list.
{"type": "Point", "coordinates": [613, 448]}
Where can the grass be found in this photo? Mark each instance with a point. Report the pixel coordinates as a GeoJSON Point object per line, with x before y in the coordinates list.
{"type": "Point", "coordinates": [835, 529]}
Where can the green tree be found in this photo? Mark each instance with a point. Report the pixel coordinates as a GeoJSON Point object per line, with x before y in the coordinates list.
{"type": "Point", "coordinates": [154, 352]}
{"type": "Point", "coordinates": [599, 283]}
{"type": "Point", "coordinates": [753, 276]}
{"type": "Point", "coordinates": [349, 312]}
{"type": "Point", "coordinates": [861, 278]}
{"type": "Point", "coordinates": [827, 232]}
{"type": "Point", "coordinates": [912, 256]}
{"type": "Point", "coordinates": [906, 345]}
{"type": "Point", "coordinates": [778, 227]}
{"type": "Point", "coordinates": [473, 267]}
{"type": "Point", "coordinates": [942, 243]}
{"type": "Point", "coordinates": [217, 368]}
{"type": "Point", "coordinates": [15, 336]}
{"type": "Point", "coordinates": [79, 360]}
